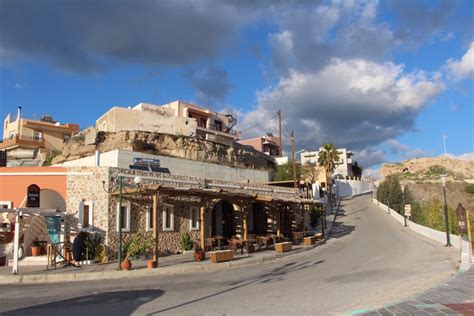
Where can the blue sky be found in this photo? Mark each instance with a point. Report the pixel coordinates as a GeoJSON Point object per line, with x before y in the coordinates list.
{"type": "Point", "coordinates": [384, 78]}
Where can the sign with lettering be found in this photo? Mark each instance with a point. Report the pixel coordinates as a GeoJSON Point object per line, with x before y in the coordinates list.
{"type": "Point", "coordinates": [33, 196]}
{"type": "Point", "coordinates": [407, 210]}
{"type": "Point", "coordinates": [462, 221]}
{"type": "Point", "coordinates": [146, 161]}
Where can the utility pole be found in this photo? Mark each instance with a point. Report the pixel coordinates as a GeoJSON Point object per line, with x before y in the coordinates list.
{"type": "Point", "coordinates": [279, 132]}
{"type": "Point", "coordinates": [293, 157]}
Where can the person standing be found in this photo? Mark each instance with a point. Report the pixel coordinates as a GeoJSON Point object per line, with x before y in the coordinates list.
{"type": "Point", "coordinates": [78, 247]}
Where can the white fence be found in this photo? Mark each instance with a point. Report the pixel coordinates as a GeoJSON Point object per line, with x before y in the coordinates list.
{"type": "Point", "coordinates": [346, 188]}
{"type": "Point", "coordinates": [433, 234]}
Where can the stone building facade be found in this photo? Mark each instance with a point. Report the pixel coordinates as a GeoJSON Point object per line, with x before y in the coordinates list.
{"type": "Point", "coordinates": [184, 196]}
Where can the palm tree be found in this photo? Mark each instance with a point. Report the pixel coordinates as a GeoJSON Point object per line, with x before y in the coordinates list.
{"type": "Point", "coordinates": [327, 158]}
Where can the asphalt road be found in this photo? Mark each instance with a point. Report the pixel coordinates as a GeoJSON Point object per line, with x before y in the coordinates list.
{"type": "Point", "coordinates": [369, 261]}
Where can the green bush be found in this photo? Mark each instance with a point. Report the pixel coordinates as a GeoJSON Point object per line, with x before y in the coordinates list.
{"type": "Point", "coordinates": [470, 188]}
{"type": "Point", "coordinates": [186, 241]}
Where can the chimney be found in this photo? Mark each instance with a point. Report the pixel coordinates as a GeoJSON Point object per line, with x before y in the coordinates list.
{"type": "Point", "coordinates": [19, 113]}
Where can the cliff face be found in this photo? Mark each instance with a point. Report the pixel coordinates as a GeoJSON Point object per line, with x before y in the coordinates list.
{"type": "Point", "coordinates": [169, 145]}
{"type": "Point", "coordinates": [429, 169]}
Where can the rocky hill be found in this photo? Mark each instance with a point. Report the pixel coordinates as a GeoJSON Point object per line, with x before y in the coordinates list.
{"type": "Point", "coordinates": [430, 169]}
{"type": "Point", "coordinates": [192, 148]}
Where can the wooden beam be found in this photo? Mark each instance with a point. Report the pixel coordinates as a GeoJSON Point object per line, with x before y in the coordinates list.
{"type": "Point", "coordinates": [202, 226]}
{"type": "Point", "coordinates": [262, 198]}
{"type": "Point", "coordinates": [155, 228]}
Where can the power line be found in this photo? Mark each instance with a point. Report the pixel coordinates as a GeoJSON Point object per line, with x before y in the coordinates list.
{"type": "Point", "coordinates": [259, 123]}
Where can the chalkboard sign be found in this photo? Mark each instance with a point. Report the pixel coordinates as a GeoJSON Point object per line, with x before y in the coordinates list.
{"type": "Point", "coordinates": [33, 196]}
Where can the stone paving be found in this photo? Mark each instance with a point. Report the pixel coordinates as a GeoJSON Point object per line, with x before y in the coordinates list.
{"type": "Point", "coordinates": [454, 297]}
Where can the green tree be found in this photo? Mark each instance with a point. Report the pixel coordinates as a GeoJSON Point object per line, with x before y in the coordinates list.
{"type": "Point", "coordinates": [285, 172]}
{"type": "Point", "coordinates": [390, 192]}
{"type": "Point", "coordinates": [327, 158]}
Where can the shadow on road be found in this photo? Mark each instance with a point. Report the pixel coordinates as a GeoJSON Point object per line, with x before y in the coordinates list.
{"type": "Point", "coordinates": [277, 274]}
{"type": "Point", "coordinates": [116, 303]}
{"type": "Point", "coordinates": [340, 229]}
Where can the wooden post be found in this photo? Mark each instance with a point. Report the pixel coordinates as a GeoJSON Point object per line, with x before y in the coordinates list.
{"type": "Point", "coordinates": [245, 222]}
{"type": "Point", "coordinates": [202, 226]}
{"type": "Point", "coordinates": [278, 221]}
{"type": "Point", "coordinates": [155, 228]}
{"type": "Point", "coordinates": [302, 216]}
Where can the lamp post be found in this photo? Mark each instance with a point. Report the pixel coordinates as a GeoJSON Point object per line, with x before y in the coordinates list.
{"type": "Point", "coordinates": [137, 181]}
{"type": "Point", "coordinates": [403, 203]}
{"type": "Point", "coordinates": [446, 223]}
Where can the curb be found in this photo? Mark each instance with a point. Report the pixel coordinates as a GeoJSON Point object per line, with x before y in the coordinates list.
{"type": "Point", "coordinates": [162, 271]}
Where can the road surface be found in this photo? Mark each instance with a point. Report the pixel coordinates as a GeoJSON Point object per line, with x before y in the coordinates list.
{"type": "Point", "coordinates": [369, 261]}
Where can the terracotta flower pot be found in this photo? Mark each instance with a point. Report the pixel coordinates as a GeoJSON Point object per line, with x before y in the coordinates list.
{"type": "Point", "coordinates": [126, 265]}
{"type": "Point", "coordinates": [199, 255]}
{"type": "Point", "coordinates": [35, 251]}
{"type": "Point", "coordinates": [151, 264]}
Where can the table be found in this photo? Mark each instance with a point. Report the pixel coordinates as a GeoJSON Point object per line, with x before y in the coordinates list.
{"type": "Point", "coordinates": [218, 238]}
{"type": "Point", "coordinates": [248, 243]}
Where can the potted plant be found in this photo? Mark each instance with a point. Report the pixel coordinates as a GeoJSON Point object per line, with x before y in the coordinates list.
{"type": "Point", "coordinates": [132, 247]}
{"type": "Point", "coordinates": [186, 242]}
{"type": "Point", "coordinates": [199, 253]}
{"type": "Point", "coordinates": [35, 248]}
{"type": "Point", "coordinates": [148, 247]}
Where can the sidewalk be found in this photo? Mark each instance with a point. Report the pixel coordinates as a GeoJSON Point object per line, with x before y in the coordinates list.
{"type": "Point", "coordinates": [169, 265]}
{"type": "Point", "coordinates": [454, 297]}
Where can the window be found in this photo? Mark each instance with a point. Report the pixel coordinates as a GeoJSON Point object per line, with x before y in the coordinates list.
{"type": "Point", "coordinates": [86, 214]}
{"type": "Point", "coordinates": [202, 122]}
{"type": "Point", "coordinates": [149, 219]}
{"type": "Point", "coordinates": [168, 217]}
{"type": "Point", "coordinates": [5, 204]}
{"type": "Point", "coordinates": [194, 218]}
{"type": "Point", "coordinates": [66, 138]}
{"type": "Point", "coordinates": [12, 135]}
{"type": "Point", "coordinates": [125, 217]}
{"type": "Point", "coordinates": [218, 125]}
{"type": "Point", "coordinates": [38, 136]}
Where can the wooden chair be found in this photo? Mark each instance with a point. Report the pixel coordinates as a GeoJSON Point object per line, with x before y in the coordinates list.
{"type": "Point", "coordinates": [209, 244]}
{"type": "Point", "coordinates": [235, 244]}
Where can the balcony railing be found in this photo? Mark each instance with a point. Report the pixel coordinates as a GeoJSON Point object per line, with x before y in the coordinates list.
{"type": "Point", "coordinates": [22, 140]}
{"type": "Point", "coordinates": [214, 128]}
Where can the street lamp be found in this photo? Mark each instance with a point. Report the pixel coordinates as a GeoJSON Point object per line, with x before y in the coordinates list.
{"type": "Point", "coordinates": [294, 163]}
{"type": "Point", "coordinates": [446, 223]}
{"type": "Point", "coordinates": [137, 180]}
{"type": "Point", "coordinates": [403, 203]}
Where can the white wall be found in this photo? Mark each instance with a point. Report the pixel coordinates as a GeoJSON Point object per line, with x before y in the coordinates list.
{"type": "Point", "coordinates": [346, 188]}
{"type": "Point", "coordinates": [177, 166]}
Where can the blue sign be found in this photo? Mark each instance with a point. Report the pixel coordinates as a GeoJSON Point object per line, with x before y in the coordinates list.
{"type": "Point", "coordinates": [53, 224]}
{"type": "Point", "coordinates": [146, 161]}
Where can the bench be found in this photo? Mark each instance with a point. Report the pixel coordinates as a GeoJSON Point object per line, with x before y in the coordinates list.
{"type": "Point", "coordinates": [283, 246]}
{"type": "Point", "coordinates": [221, 255]}
{"type": "Point", "coordinates": [308, 241]}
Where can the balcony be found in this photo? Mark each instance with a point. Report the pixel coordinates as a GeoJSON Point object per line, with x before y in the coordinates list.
{"type": "Point", "coordinates": [22, 141]}
{"type": "Point", "coordinates": [219, 130]}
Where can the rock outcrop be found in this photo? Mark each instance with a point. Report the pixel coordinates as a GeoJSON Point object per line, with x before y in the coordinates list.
{"type": "Point", "coordinates": [192, 148]}
{"type": "Point", "coordinates": [429, 169]}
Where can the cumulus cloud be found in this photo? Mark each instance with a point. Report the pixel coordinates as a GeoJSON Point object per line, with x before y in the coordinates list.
{"type": "Point", "coordinates": [465, 156]}
{"type": "Point", "coordinates": [90, 37]}
{"type": "Point", "coordinates": [404, 151]}
{"type": "Point", "coordinates": [353, 103]}
{"type": "Point", "coordinates": [464, 68]}
{"type": "Point", "coordinates": [369, 157]}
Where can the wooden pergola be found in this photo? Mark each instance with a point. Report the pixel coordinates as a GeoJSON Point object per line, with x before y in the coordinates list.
{"type": "Point", "coordinates": [242, 199]}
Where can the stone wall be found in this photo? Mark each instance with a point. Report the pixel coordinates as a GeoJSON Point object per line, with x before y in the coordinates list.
{"type": "Point", "coordinates": [85, 184]}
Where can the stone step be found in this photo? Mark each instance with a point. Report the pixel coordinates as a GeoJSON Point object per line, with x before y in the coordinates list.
{"type": "Point", "coordinates": [31, 261]}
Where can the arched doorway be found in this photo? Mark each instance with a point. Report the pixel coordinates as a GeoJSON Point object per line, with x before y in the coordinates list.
{"type": "Point", "coordinates": [286, 220]}
{"type": "Point", "coordinates": [258, 220]}
{"type": "Point", "coordinates": [223, 219]}
{"type": "Point", "coordinates": [52, 199]}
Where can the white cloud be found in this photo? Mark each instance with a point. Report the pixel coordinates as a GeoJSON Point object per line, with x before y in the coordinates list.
{"type": "Point", "coordinates": [404, 151]}
{"type": "Point", "coordinates": [353, 103]}
{"type": "Point", "coordinates": [372, 173]}
{"type": "Point", "coordinates": [465, 156]}
{"type": "Point", "coordinates": [464, 68]}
